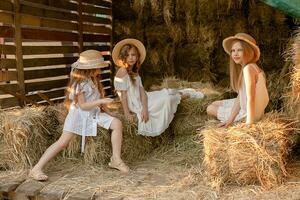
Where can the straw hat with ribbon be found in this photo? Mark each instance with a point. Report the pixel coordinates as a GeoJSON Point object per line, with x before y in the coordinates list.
{"type": "Point", "coordinates": [89, 59]}
{"type": "Point", "coordinates": [227, 43]}
{"type": "Point", "coordinates": [116, 51]}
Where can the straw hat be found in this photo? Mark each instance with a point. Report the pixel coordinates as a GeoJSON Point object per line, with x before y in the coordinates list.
{"type": "Point", "coordinates": [227, 43]}
{"type": "Point", "coordinates": [90, 59]}
{"type": "Point", "coordinates": [116, 51]}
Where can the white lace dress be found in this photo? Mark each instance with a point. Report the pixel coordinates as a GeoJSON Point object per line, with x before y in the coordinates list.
{"type": "Point", "coordinates": [84, 122]}
{"type": "Point", "coordinates": [162, 105]}
{"type": "Point", "coordinates": [261, 102]}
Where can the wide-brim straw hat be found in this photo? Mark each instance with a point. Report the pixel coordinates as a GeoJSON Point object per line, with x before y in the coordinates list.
{"type": "Point", "coordinates": [90, 59]}
{"type": "Point", "coordinates": [116, 51]}
{"type": "Point", "coordinates": [227, 43]}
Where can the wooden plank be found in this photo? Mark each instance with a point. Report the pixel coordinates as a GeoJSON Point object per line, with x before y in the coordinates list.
{"type": "Point", "coordinates": [97, 20]}
{"type": "Point", "coordinates": [105, 76]}
{"type": "Point", "coordinates": [8, 184]}
{"type": "Point", "coordinates": [45, 85]}
{"type": "Point", "coordinates": [8, 76]}
{"type": "Point", "coordinates": [34, 62]}
{"type": "Point", "coordinates": [102, 3]}
{"type": "Point", "coordinates": [7, 31]}
{"type": "Point", "coordinates": [7, 63]}
{"type": "Point", "coordinates": [6, 18]}
{"type": "Point", "coordinates": [7, 49]}
{"type": "Point", "coordinates": [8, 103]}
{"type": "Point", "coordinates": [80, 26]}
{"type": "Point", "coordinates": [106, 83]}
{"type": "Point", "coordinates": [36, 34]}
{"type": "Point", "coordinates": [49, 94]}
{"type": "Point", "coordinates": [96, 29]}
{"type": "Point", "coordinates": [61, 4]}
{"type": "Point", "coordinates": [29, 20]}
{"type": "Point", "coordinates": [99, 48]}
{"type": "Point", "coordinates": [33, 50]}
{"type": "Point", "coordinates": [45, 13]}
{"type": "Point", "coordinates": [96, 38]}
{"type": "Point", "coordinates": [19, 54]}
{"type": "Point", "coordinates": [11, 87]}
{"type": "Point", "coordinates": [96, 10]}
{"type": "Point", "coordinates": [6, 6]}
{"type": "Point", "coordinates": [43, 73]}
{"type": "Point", "coordinates": [30, 187]}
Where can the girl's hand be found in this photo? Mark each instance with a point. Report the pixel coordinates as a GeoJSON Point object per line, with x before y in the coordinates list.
{"type": "Point", "coordinates": [145, 115]}
{"type": "Point", "coordinates": [106, 100]}
{"type": "Point", "coordinates": [129, 117]}
{"type": "Point", "coordinates": [225, 124]}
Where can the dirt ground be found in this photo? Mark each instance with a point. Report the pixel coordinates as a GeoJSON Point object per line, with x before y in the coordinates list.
{"type": "Point", "coordinates": [171, 172]}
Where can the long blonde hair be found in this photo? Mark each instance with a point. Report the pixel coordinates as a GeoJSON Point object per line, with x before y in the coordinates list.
{"type": "Point", "coordinates": [134, 71]}
{"type": "Point", "coordinates": [76, 77]}
{"type": "Point", "coordinates": [236, 69]}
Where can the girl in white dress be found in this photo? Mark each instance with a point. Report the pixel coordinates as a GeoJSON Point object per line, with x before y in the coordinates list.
{"type": "Point", "coordinates": [85, 97]}
{"type": "Point", "coordinates": [247, 79]}
{"type": "Point", "coordinates": [154, 110]}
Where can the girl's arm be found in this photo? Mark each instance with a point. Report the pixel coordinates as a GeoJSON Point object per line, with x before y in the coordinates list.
{"type": "Point", "coordinates": [90, 105]}
{"type": "Point", "coordinates": [249, 75]}
{"type": "Point", "coordinates": [124, 101]}
{"type": "Point", "coordinates": [144, 99]}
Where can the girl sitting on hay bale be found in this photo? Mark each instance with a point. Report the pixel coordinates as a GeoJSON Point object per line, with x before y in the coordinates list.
{"type": "Point", "coordinates": [154, 110]}
{"type": "Point", "coordinates": [247, 79]}
{"type": "Point", "coordinates": [85, 95]}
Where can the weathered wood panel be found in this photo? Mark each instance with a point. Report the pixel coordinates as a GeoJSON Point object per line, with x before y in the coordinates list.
{"type": "Point", "coordinates": [34, 50]}
{"type": "Point", "coordinates": [78, 25]}
{"type": "Point", "coordinates": [7, 63]}
{"type": "Point", "coordinates": [102, 3]}
{"type": "Point", "coordinates": [8, 76]}
{"type": "Point", "coordinates": [44, 73]}
{"type": "Point", "coordinates": [6, 6]}
{"type": "Point", "coordinates": [34, 62]}
{"type": "Point", "coordinates": [35, 21]}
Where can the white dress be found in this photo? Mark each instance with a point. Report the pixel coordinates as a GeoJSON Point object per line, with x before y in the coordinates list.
{"type": "Point", "coordinates": [162, 105]}
{"type": "Point", "coordinates": [261, 102]}
{"type": "Point", "coordinates": [84, 122]}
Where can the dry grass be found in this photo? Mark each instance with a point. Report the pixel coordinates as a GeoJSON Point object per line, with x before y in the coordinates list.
{"type": "Point", "coordinates": [247, 155]}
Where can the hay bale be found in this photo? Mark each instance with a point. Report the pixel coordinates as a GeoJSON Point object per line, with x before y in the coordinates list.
{"type": "Point", "coordinates": [248, 155]}
{"type": "Point", "coordinates": [293, 96]}
{"type": "Point", "coordinates": [24, 136]}
{"type": "Point", "coordinates": [191, 113]}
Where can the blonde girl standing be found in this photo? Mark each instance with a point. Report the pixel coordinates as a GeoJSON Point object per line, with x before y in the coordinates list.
{"type": "Point", "coordinates": [247, 79]}
{"type": "Point", "coordinates": [85, 95]}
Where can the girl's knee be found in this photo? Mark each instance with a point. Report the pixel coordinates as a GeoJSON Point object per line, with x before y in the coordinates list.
{"type": "Point", "coordinates": [62, 144]}
{"type": "Point", "coordinates": [116, 124]}
{"type": "Point", "coordinates": [212, 110]}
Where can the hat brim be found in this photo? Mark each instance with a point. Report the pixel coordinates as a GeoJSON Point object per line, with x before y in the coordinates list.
{"type": "Point", "coordinates": [116, 51]}
{"type": "Point", "coordinates": [227, 44]}
{"type": "Point", "coordinates": [99, 66]}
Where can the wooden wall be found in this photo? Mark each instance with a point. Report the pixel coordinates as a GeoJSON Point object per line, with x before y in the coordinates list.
{"type": "Point", "coordinates": [40, 39]}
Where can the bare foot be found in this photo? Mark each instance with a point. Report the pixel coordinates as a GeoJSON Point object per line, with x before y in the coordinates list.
{"type": "Point", "coordinates": [119, 165]}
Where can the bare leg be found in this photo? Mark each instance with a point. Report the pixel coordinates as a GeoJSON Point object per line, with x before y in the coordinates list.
{"type": "Point", "coordinates": [116, 138]}
{"type": "Point", "coordinates": [51, 152]}
{"type": "Point", "coordinates": [212, 109]}
{"type": "Point", "coordinates": [116, 141]}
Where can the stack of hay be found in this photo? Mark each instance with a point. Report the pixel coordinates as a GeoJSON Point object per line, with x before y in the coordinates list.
{"type": "Point", "coordinates": [191, 113]}
{"type": "Point", "coordinates": [25, 135]}
{"type": "Point", "coordinates": [249, 155]}
{"type": "Point", "coordinates": [175, 29]}
{"type": "Point", "coordinates": [292, 104]}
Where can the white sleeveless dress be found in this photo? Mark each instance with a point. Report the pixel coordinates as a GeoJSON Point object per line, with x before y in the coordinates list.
{"type": "Point", "coordinates": [162, 105]}
{"type": "Point", "coordinates": [261, 101]}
